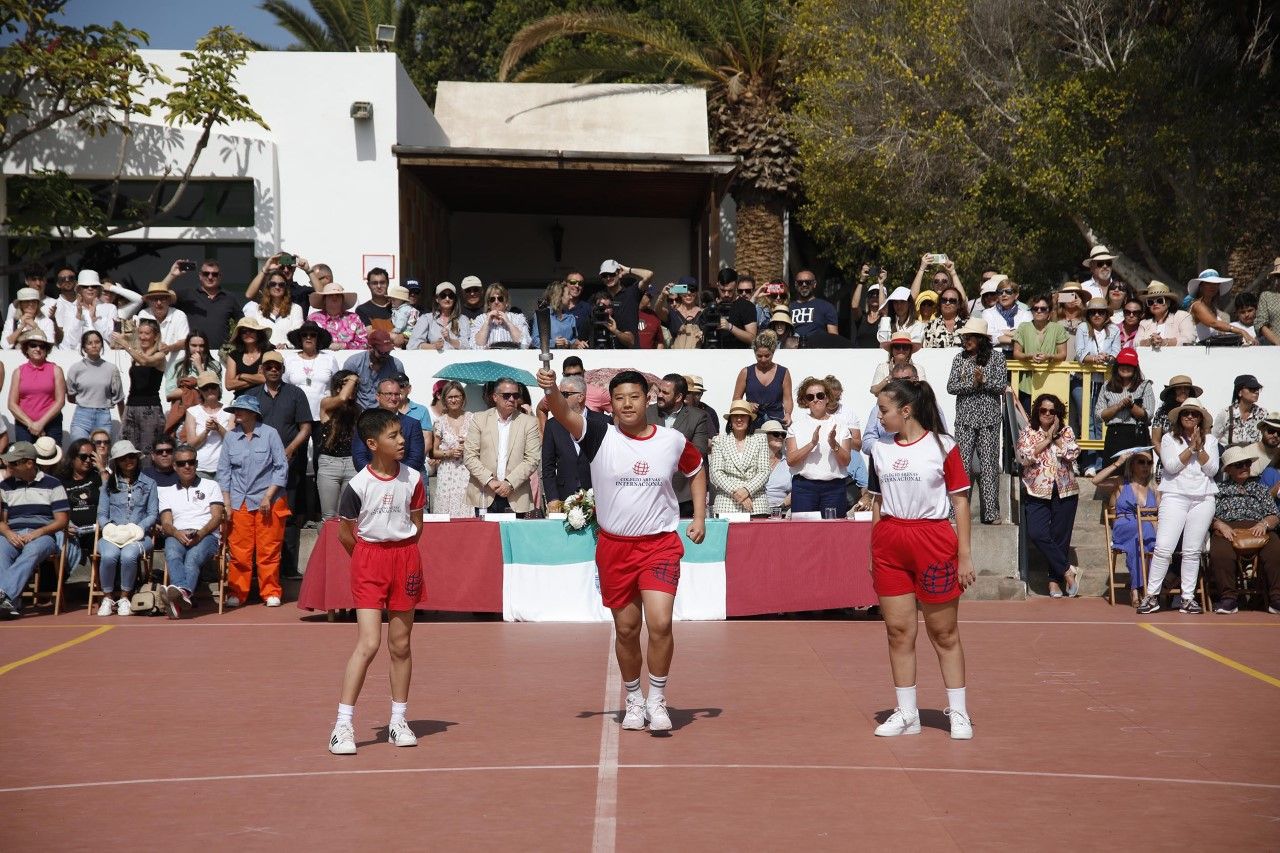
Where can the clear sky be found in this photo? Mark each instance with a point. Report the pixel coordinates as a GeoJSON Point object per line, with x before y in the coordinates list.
{"type": "Point", "coordinates": [176, 24]}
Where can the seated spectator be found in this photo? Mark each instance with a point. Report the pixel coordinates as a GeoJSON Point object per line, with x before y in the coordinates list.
{"type": "Point", "coordinates": [332, 312]}
{"type": "Point", "coordinates": [1047, 448]}
{"type": "Point", "coordinates": [207, 426]}
{"type": "Point", "coordinates": [673, 409]}
{"type": "Point", "coordinates": [1125, 404]}
{"type": "Point", "coordinates": [191, 512]}
{"type": "Point", "coordinates": [944, 330]}
{"type": "Point", "coordinates": [500, 327]}
{"type": "Point", "coordinates": [874, 428]}
{"type": "Point", "coordinates": [82, 482]}
{"type": "Point", "coordinates": [1004, 318]}
{"type": "Point", "coordinates": [1166, 325]}
{"type": "Point", "coordinates": [1243, 508]}
{"type": "Point", "coordinates": [1097, 341]}
{"type": "Point", "coordinates": [94, 386]}
{"type": "Point", "coordinates": [451, 429]}
{"type": "Point", "coordinates": [1246, 311]}
{"type": "Point", "coordinates": [1070, 301]}
{"type": "Point", "coordinates": [28, 316]}
{"type": "Point", "coordinates": [564, 469]}
{"type": "Point", "coordinates": [1268, 316]}
{"type": "Point", "coordinates": [815, 319]}
{"type": "Point", "coordinates": [818, 448]}
{"type": "Point", "coordinates": [243, 362]}
{"type": "Point", "coordinates": [899, 315]}
{"type": "Point", "coordinates": [564, 325]}
{"type": "Point", "coordinates": [180, 377]}
{"type": "Point", "coordinates": [1268, 446]}
{"type": "Point", "coordinates": [739, 465]}
{"type": "Point", "coordinates": [900, 347]}
{"type": "Point", "coordinates": [33, 510]}
{"type": "Point", "coordinates": [276, 310]}
{"type": "Point", "coordinates": [1205, 290]}
{"type": "Point", "coordinates": [37, 392]}
{"type": "Point", "coordinates": [502, 452]}
{"type": "Point", "coordinates": [1042, 341]}
{"type": "Point", "coordinates": [1175, 393]}
{"type": "Point", "coordinates": [1132, 315]}
{"type": "Point", "coordinates": [1137, 489]}
{"type": "Point", "coordinates": [48, 455]}
{"type": "Point", "coordinates": [445, 328]}
{"type": "Point", "coordinates": [161, 469]}
{"type": "Point", "coordinates": [777, 489]}
{"type": "Point", "coordinates": [33, 278]}
{"type": "Point", "coordinates": [1237, 424]}
{"type": "Point", "coordinates": [766, 385]}
{"type": "Point", "coordinates": [127, 511]}
{"type": "Point", "coordinates": [252, 472]}
{"type": "Point", "coordinates": [986, 295]}
{"type": "Point", "coordinates": [845, 414]}
{"type": "Point", "coordinates": [926, 308]}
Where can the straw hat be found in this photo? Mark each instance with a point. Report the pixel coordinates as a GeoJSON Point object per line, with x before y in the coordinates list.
{"type": "Point", "coordinates": [1192, 403]}
{"type": "Point", "coordinates": [1073, 288]}
{"type": "Point", "coordinates": [771, 426]}
{"type": "Point", "coordinates": [251, 323]}
{"type": "Point", "coordinates": [1210, 277]}
{"type": "Point", "coordinates": [1234, 454]}
{"type": "Point", "coordinates": [333, 289]}
{"type": "Point", "coordinates": [47, 451]}
{"type": "Point", "coordinates": [1097, 303]}
{"type": "Point", "coordinates": [206, 378]}
{"type": "Point", "coordinates": [1098, 253]}
{"type": "Point", "coordinates": [694, 383]}
{"type": "Point", "coordinates": [902, 336]}
{"type": "Point", "coordinates": [34, 336]}
{"type": "Point", "coordinates": [740, 407]}
{"type": "Point", "coordinates": [395, 291]}
{"type": "Point", "coordinates": [1179, 381]}
{"type": "Point", "coordinates": [975, 326]}
{"type": "Point", "coordinates": [1157, 289]}
{"type": "Point", "coordinates": [157, 288]}
{"type": "Point", "coordinates": [1275, 269]}
{"type": "Point", "coordinates": [781, 315]}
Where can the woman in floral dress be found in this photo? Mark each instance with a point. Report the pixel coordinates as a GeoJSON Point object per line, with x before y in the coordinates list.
{"type": "Point", "coordinates": [451, 431]}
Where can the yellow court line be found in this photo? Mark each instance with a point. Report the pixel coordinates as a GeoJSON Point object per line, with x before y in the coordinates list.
{"type": "Point", "coordinates": [53, 650]}
{"type": "Point", "coordinates": [1225, 661]}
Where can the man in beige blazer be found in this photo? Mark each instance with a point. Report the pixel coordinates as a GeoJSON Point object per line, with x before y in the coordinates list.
{"type": "Point", "coordinates": [502, 451]}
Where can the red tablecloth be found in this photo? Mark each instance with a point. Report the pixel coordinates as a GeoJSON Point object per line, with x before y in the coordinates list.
{"type": "Point", "coordinates": [462, 568]}
{"type": "Point", "coordinates": [786, 566]}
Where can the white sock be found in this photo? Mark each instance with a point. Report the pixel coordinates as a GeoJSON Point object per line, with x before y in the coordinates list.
{"type": "Point", "coordinates": [907, 700]}
{"type": "Point", "coordinates": [345, 713]}
{"type": "Point", "coordinates": [398, 710]}
{"type": "Point", "coordinates": [657, 687]}
{"type": "Point", "coordinates": [955, 700]}
{"type": "Point", "coordinates": [633, 691]}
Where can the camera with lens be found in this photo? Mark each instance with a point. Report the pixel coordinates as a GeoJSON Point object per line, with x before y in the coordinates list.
{"type": "Point", "coordinates": [601, 313]}
{"type": "Point", "coordinates": [709, 320]}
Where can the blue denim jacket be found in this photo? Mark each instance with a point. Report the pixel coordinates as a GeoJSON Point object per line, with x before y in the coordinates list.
{"type": "Point", "coordinates": [124, 505]}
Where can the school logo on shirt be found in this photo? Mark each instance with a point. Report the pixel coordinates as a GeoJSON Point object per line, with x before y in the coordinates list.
{"type": "Point", "coordinates": [640, 468]}
{"type": "Point", "coordinates": [900, 464]}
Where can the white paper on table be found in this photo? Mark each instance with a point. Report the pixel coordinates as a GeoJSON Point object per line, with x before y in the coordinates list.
{"type": "Point", "coordinates": [557, 516]}
{"type": "Point", "coordinates": [806, 516]}
{"type": "Point", "coordinates": [734, 517]}
{"type": "Point", "coordinates": [862, 516]}
{"type": "Point", "coordinates": [435, 517]}
{"type": "Point", "coordinates": [499, 516]}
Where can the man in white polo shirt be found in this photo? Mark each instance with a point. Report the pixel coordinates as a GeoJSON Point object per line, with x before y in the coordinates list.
{"type": "Point", "coordinates": [190, 515]}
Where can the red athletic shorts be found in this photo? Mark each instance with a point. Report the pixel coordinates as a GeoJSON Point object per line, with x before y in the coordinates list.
{"type": "Point", "coordinates": [628, 564]}
{"type": "Point", "coordinates": [915, 556]}
{"type": "Point", "coordinates": [386, 575]}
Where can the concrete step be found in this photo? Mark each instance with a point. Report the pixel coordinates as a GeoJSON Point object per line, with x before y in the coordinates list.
{"type": "Point", "coordinates": [995, 559]}
{"type": "Point", "coordinates": [989, 588]}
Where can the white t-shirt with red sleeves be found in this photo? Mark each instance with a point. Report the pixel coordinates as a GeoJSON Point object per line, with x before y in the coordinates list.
{"type": "Point", "coordinates": [632, 476]}
{"type": "Point", "coordinates": [914, 480]}
{"type": "Point", "coordinates": [383, 507]}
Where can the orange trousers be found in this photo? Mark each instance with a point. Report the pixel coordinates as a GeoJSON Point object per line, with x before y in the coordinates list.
{"type": "Point", "coordinates": [253, 536]}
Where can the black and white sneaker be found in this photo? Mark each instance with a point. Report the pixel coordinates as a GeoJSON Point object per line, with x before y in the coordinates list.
{"type": "Point", "coordinates": [1190, 605]}
{"type": "Point", "coordinates": [1226, 605]}
{"type": "Point", "coordinates": [1150, 604]}
{"type": "Point", "coordinates": [343, 740]}
{"type": "Point", "coordinates": [7, 610]}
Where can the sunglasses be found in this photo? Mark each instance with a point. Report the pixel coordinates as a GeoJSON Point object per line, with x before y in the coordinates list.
{"type": "Point", "coordinates": [66, 278]}
{"type": "Point", "coordinates": [569, 393]}
{"type": "Point", "coordinates": [103, 441]}
{"type": "Point", "coordinates": [1005, 291]}
{"type": "Point", "coordinates": [573, 282]}
{"type": "Point", "coordinates": [744, 290]}
{"type": "Point", "coordinates": [1102, 263]}
{"type": "Point", "coordinates": [1190, 415]}
{"type": "Point", "coordinates": [185, 463]}
{"type": "Point", "coordinates": [511, 395]}
{"type": "Point", "coordinates": [210, 274]}
{"type": "Point", "coordinates": [900, 346]}
{"type": "Point", "coordinates": [1129, 313]}
{"type": "Point", "coordinates": [949, 301]}
{"type": "Point", "coordinates": [275, 284]}
{"type": "Point", "coordinates": [801, 281]}
{"type": "Point", "coordinates": [442, 297]}
{"type": "Point", "coordinates": [809, 398]}
{"type": "Point", "coordinates": [1098, 312]}
{"type": "Point", "coordinates": [1116, 288]}
{"type": "Point", "coordinates": [470, 290]}
{"type": "Point", "coordinates": [1040, 309]}
{"type": "Point", "coordinates": [608, 276]}
{"type": "Point", "coordinates": [85, 457]}
{"type": "Point", "coordinates": [273, 365]}
{"type": "Point", "coordinates": [1241, 464]}
{"type": "Point", "coordinates": [165, 452]}
{"type": "Point", "coordinates": [493, 299]}
{"type": "Point", "coordinates": [389, 393]}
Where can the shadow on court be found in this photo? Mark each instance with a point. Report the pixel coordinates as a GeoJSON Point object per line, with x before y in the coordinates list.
{"type": "Point", "coordinates": [421, 728]}
{"type": "Point", "coordinates": [930, 718]}
{"type": "Point", "coordinates": [680, 717]}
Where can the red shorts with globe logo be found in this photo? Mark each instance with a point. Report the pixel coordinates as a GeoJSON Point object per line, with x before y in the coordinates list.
{"type": "Point", "coordinates": [628, 564]}
{"type": "Point", "coordinates": [917, 556]}
{"type": "Point", "coordinates": [386, 575]}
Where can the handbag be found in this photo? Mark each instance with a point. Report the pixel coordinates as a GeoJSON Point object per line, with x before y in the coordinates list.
{"type": "Point", "coordinates": [146, 600]}
{"type": "Point", "coordinates": [1246, 544]}
{"type": "Point", "coordinates": [1224, 339]}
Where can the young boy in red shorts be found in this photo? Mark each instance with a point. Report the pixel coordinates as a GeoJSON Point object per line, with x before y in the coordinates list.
{"type": "Point", "coordinates": [381, 519]}
{"type": "Point", "coordinates": [638, 553]}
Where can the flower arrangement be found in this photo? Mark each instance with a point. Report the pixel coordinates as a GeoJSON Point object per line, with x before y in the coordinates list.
{"type": "Point", "coordinates": [580, 511]}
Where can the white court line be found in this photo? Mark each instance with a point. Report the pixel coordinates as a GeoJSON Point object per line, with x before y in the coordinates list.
{"type": "Point", "coordinates": [605, 832]}
{"type": "Point", "coordinates": [868, 768]}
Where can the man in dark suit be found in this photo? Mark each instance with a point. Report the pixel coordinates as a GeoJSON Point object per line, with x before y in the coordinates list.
{"type": "Point", "coordinates": [564, 470]}
{"type": "Point", "coordinates": [673, 411]}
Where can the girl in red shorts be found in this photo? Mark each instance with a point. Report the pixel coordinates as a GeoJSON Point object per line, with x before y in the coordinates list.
{"type": "Point", "coordinates": [916, 476]}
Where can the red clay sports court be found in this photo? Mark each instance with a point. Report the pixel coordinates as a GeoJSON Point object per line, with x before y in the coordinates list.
{"type": "Point", "coordinates": [1092, 730]}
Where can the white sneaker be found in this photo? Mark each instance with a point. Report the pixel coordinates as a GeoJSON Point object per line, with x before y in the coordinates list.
{"type": "Point", "coordinates": [899, 723]}
{"type": "Point", "coordinates": [659, 719]}
{"type": "Point", "coordinates": [400, 734]}
{"type": "Point", "coordinates": [273, 601]}
{"type": "Point", "coordinates": [124, 608]}
{"type": "Point", "coordinates": [634, 719]}
{"type": "Point", "coordinates": [171, 597]}
{"type": "Point", "coordinates": [107, 607]}
{"type": "Point", "coordinates": [343, 740]}
{"type": "Point", "coordinates": [231, 601]}
{"type": "Point", "coordinates": [961, 725]}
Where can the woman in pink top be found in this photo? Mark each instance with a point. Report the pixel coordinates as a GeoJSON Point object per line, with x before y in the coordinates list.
{"type": "Point", "coordinates": [1047, 448]}
{"type": "Point", "coordinates": [333, 314]}
{"type": "Point", "coordinates": [38, 391]}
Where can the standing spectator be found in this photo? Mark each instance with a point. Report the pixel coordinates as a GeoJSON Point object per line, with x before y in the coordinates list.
{"type": "Point", "coordinates": [1167, 325]}
{"type": "Point", "coordinates": [33, 278]}
{"type": "Point", "coordinates": [27, 315]}
{"type": "Point", "coordinates": [564, 469]}
{"type": "Point", "coordinates": [1071, 301]}
{"type": "Point", "coordinates": [415, 410]}
{"type": "Point", "coordinates": [404, 314]}
{"type": "Point", "coordinates": [127, 511]}
{"type": "Point", "coordinates": [978, 380]}
{"type": "Point", "coordinates": [502, 451]}
{"type": "Point", "coordinates": [1175, 393]}
{"type": "Point", "coordinates": [143, 420]}
{"type": "Point", "coordinates": [372, 366]}
{"type": "Point", "coordinates": [944, 330]}
{"type": "Point", "coordinates": [812, 317]}
{"type": "Point", "coordinates": [564, 325]}
{"type": "Point", "coordinates": [64, 304]}
{"type": "Point", "coordinates": [737, 325]}
{"type": "Point", "coordinates": [899, 315]}
{"type": "Point", "coordinates": [286, 264]}
{"type": "Point", "coordinates": [207, 425]}
{"type": "Point", "coordinates": [390, 393]}
{"type": "Point", "coordinates": [161, 469]}
{"type": "Point", "coordinates": [191, 513]}
{"type": "Point", "coordinates": [180, 377]}
{"type": "Point", "coordinates": [1118, 294]}
{"type": "Point", "coordinates": [1004, 318]}
{"type": "Point", "coordinates": [252, 473]}
{"type": "Point", "coordinates": [94, 387]}
{"type": "Point", "coordinates": [943, 277]}
{"type": "Point", "coordinates": [1137, 491]}
{"type": "Point", "coordinates": [1097, 344]}
{"type": "Point", "coordinates": [333, 314]}
{"type": "Point", "coordinates": [378, 306]}
{"type": "Point", "coordinates": [1205, 290]}
{"type": "Point", "coordinates": [310, 364]}
{"type": "Point", "coordinates": [275, 310]}
{"type": "Point", "coordinates": [82, 482]}
{"type": "Point", "coordinates": [1130, 324]}
{"type": "Point", "coordinates": [680, 314]}
{"type": "Point", "coordinates": [33, 509]}
{"type": "Point", "coordinates": [209, 309]}
{"type": "Point", "coordinates": [900, 347]}
{"type": "Point", "coordinates": [38, 391]}
{"type": "Point", "coordinates": [1100, 263]}
{"type": "Point", "coordinates": [174, 326]}
{"type": "Point", "coordinates": [1047, 450]}
{"type": "Point", "coordinates": [1243, 507]}
{"type": "Point", "coordinates": [1268, 317]}
{"type": "Point", "coordinates": [624, 293]}
{"type": "Point", "coordinates": [842, 413]}
{"type": "Point", "coordinates": [694, 389]}
{"type": "Point", "coordinates": [674, 411]}
{"type": "Point", "coordinates": [90, 312]}
{"type": "Point", "coordinates": [286, 410]}
{"type": "Point", "coordinates": [444, 328]}
{"type": "Point", "coordinates": [451, 430]}
{"type": "Point", "coordinates": [500, 328]}
{"type": "Point", "coordinates": [472, 305]}
{"type": "Point", "coordinates": [336, 436]}
{"type": "Point", "coordinates": [243, 363]}
{"type": "Point", "coordinates": [1189, 460]}
{"type": "Point", "coordinates": [739, 466]}
{"type": "Point", "coordinates": [1125, 405]}
{"type": "Point", "coordinates": [1237, 424]}
{"type": "Point", "coordinates": [579, 307]}
{"type": "Point", "coordinates": [1042, 341]}
{"type": "Point", "coordinates": [777, 489]}
{"type": "Point", "coordinates": [781, 328]}
{"type": "Point", "coordinates": [818, 448]}
{"type": "Point", "coordinates": [865, 322]}
{"type": "Point", "coordinates": [766, 385]}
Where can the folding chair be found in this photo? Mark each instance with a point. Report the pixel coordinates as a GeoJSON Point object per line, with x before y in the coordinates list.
{"type": "Point", "coordinates": [1115, 557]}
{"type": "Point", "coordinates": [222, 557]}
{"type": "Point", "coordinates": [95, 560]}
{"type": "Point", "coordinates": [59, 561]}
{"type": "Point", "coordinates": [1248, 579]}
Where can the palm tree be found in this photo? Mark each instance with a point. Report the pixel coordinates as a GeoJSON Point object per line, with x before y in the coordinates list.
{"type": "Point", "coordinates": [734, 48]}
{"type": "Point", "coordinates": [345, 25]}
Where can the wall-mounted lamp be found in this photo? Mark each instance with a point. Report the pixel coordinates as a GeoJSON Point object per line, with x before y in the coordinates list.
{"type": "Point", "coordinates": [557, 240]}
{"type": "Point", "coordinates": [361, 110]}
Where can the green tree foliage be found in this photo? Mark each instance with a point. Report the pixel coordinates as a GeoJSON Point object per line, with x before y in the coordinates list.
{"type": "Point", "coordinates": [1016, 133]}
{"type": "Point", "coordinates": [345, 25]}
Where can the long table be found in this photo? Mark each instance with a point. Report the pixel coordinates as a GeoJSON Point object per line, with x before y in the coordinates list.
{"type": "Point", "coordinates": [535, 570]}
